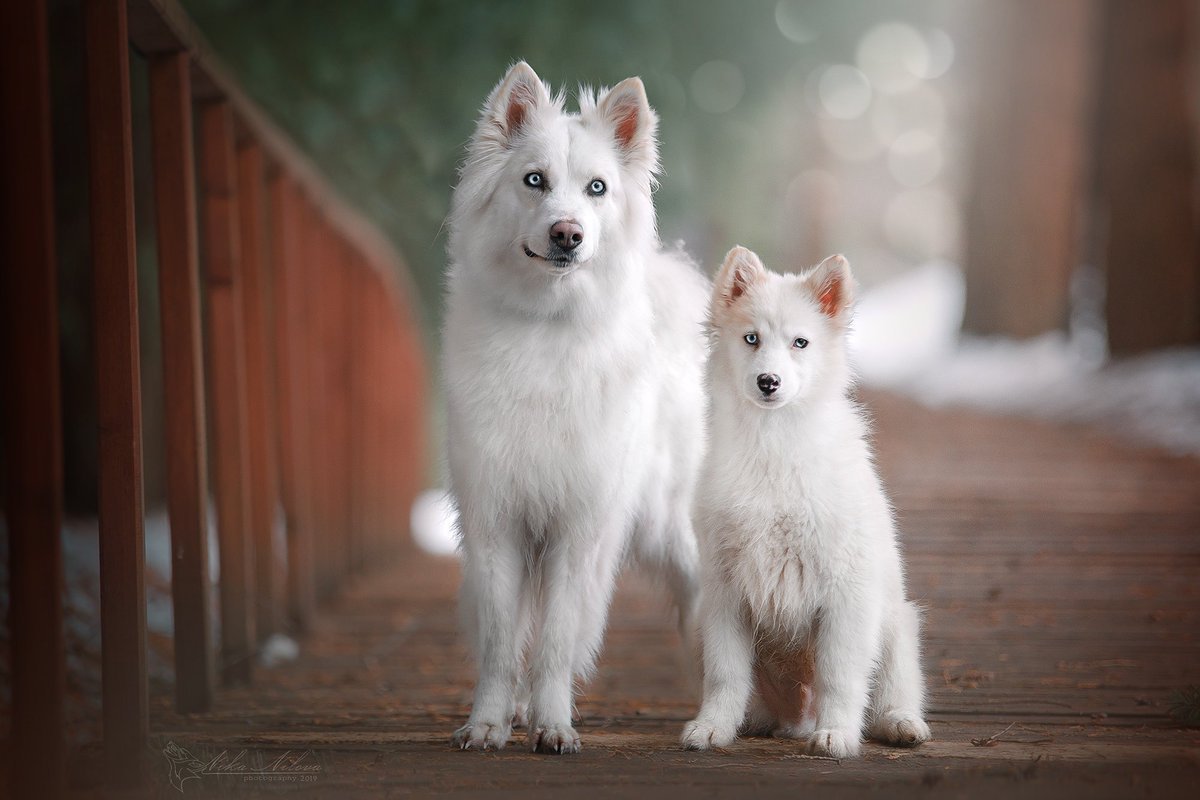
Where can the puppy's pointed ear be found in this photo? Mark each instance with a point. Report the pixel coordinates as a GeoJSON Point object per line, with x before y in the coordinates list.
{"type": "Point", "coordinates": [625, 109]}
{"type": "Point", "coordinates": [832, 286]}
{"type": "Point", "coordinates": [513, 101]}
{"type": "Point", "coordinates": [742, 270]}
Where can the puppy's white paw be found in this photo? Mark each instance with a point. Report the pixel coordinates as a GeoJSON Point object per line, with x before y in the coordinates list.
{"type": "Point", "coordinates": [901, 728]}
{"type": "Point", "coordinates": [482, 736]}
{"type": "Point", "coordinates": [701, 734]}
{"type": "Point", "coordinates": [559, 739]}
{"type": "Point", "coordinates": [834, 743]}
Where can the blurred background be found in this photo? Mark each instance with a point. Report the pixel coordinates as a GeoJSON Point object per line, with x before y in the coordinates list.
{"type": "Point", "coordinates": [1015, 206]}
{"type": "Point", "coordinates": [1014, 184]}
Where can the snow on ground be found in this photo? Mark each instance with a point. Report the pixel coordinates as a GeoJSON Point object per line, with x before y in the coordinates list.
{"type": "Point", "coordinates": [81, 568]}
{"type": "Point", "coordinates": [906, 338]}
{"type": "Point", "coordinates": [434, 521]}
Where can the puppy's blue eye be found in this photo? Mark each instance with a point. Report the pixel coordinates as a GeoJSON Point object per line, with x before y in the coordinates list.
{"type": "Point", "coordinates": [597, 188]}
{"type": "Point", "coordinates": [800, 343]}
{"type": "Point", "coordinates": [534, 180]}
{"type": "Point", "coordinates": [751, 339]}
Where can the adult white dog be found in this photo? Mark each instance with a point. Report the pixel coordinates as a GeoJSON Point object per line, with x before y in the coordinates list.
{"type": "Point", "coordinates": [807, 632]}
{"type": "Point", "coordinates": [573, 358]}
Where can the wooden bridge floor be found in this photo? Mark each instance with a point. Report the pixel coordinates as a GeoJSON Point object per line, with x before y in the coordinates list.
{"type": "Point", "coordinates": [1061, 571]}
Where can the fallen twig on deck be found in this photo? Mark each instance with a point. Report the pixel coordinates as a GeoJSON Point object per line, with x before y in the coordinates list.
{"type": "Point", "coordinates": [994, 739]}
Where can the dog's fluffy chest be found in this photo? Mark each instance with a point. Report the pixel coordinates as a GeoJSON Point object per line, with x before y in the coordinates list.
{"type": "Point", "coordinates": [554, 413]}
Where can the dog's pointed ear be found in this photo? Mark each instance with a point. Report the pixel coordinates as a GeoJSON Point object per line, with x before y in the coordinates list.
{"type": "Point", "coordinates": [832, 286]}
{"type": "Point", "coordinates": [514, 100]}
{"type": "Point", "coordinates": [742, 270]}
{"type": "Point", "coordinates": [633, 123]}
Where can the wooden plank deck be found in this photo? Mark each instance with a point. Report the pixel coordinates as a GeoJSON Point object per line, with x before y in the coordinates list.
{"type": "Point", "coordinates": [1060, 569]}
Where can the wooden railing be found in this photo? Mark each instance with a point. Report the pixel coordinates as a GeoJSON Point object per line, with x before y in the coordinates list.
{"type": "Point", "coordinates": [305, 373]}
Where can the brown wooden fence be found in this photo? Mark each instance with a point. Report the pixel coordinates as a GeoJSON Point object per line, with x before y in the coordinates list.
{"type": "Point", "coordinates": [289, 346]}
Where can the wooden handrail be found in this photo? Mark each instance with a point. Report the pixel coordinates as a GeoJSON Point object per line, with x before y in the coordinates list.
{"type": "Point", "coordinates": [305, 370]}
{"type": "Point", "coordinates": [162, 26]}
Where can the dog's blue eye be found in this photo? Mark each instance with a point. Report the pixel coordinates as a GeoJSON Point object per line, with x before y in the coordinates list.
{"type": "Point", "coordinates": [800, 343]}
{"type": "Point", "coordinates": [751, 339]}
{"type": "Point", "coordinates": [597, 188]}
{"type": "Point", "coordinates": [534, 180]}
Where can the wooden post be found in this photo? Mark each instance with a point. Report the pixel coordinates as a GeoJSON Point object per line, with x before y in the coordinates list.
{"type": "Point", "coordinates": [122, 587]}
{"type": "Point", "coordinates": [291, 394]}
{"type": "Point", "coordinates": [183, 375]}
{"type": "Point", "coordinates": [1145, 204]}
{"type": "Point", "coordinates": [357, 414]}
{"type": "Point", "coordinates": [1029, 165]}
{"type": "Point", "coordinates": [340, 331]}
{"type": "Point", "coordinates": [322, 349]}
{"type": "Point", "coordinates": [32, 426]}
{"type": "Point", "coordinates": [367, 415]}
{"type": "Point", "coordinates": [226, 371]}
{"type": "Point", "coordinates": [260, 423]}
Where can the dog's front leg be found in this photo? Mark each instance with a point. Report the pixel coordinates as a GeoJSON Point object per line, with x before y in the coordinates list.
{"type": "Point", "coordinates": [578, 576]}
{"type": "Point", "coordinates": [847, 641]}
{"type": "Point", "coordinates": [493, 584]}
{"type": "Point", "coordinates": [728, 663]}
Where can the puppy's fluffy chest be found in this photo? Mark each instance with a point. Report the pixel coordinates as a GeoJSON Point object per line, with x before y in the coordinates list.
{"type": "Point", "coordinates": [789, 532]}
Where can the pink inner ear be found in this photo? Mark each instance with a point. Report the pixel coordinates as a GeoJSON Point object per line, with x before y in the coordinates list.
{"type": "Point", "coordinates": [830, 297]}
{"type": "Point", "coordinates": [626, 118]}
{"type": "Point", "coordinates": [520, 101]}
{"type": "Point", "coordinates": [738, 286]}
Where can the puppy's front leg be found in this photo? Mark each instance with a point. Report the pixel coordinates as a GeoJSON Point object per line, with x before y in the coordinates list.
{"type": "Point", "coordinates": [728, 662]}
{"type": "Point", "coordinates": [493, 583]}
{"type": "Point", "coordinates": [846, 643]}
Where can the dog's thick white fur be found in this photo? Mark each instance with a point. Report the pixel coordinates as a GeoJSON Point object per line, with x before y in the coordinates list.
{"type": "Point", "coordinates": [573, 363]}
{"type": "Point", "coordinates": [805, 626]}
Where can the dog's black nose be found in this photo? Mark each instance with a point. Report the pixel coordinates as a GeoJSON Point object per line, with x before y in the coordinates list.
{"type": "Point", "coordinates": [768, 382]}
{"type": "Point", "coordinates": [567, 234]}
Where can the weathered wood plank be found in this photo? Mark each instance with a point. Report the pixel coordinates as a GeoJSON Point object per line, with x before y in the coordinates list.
{"type": "Point", "coordinates": [1079, 650]}
{"type": "Point", "coordinates": [32, 427]}
{"type": "Point", "coordinates": [227, 387]}
{"type": "Point", "coordinates": [183, 375]}
{"type": "Point", "coordinates": [119, 411]}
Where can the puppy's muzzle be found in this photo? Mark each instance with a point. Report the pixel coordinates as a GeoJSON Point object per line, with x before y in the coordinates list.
{"type": "Point", "coordinates": [768, 383]}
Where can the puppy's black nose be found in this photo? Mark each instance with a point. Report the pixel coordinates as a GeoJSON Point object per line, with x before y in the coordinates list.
{"type": "Point", "coordinates": [567, 234]}
{"type": "Point", "coordinates": [768, 382]}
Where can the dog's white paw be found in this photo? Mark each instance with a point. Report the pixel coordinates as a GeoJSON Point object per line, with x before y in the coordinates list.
{"type": "Point", "coordinates": [559, 739]}
{"type": "Point", "coordinates": [482, 736]}
{"type": "Point", "coordinates": [834, 743]}
{"type": "Point", "coordinates": [701, 734]}
{"type": "Point", "coordinates": [901, 728]}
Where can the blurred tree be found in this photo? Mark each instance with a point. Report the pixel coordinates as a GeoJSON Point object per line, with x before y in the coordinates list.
{"type": "Point", "coordinates": [384, 95]}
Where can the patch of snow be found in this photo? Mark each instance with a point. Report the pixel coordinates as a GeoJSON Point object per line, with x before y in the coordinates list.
{"type": "Point", "coordinates": [277, 649]}
{"type": "Point", "coordinates": [906, 338]}
{"type": "Point", "coordinates": [434, 521]}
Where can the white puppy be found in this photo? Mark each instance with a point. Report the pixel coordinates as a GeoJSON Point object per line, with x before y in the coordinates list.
{"type": "Point", "coordinates": [573, 360]}
{"type": "Point", "coordinates": [803, 599]}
